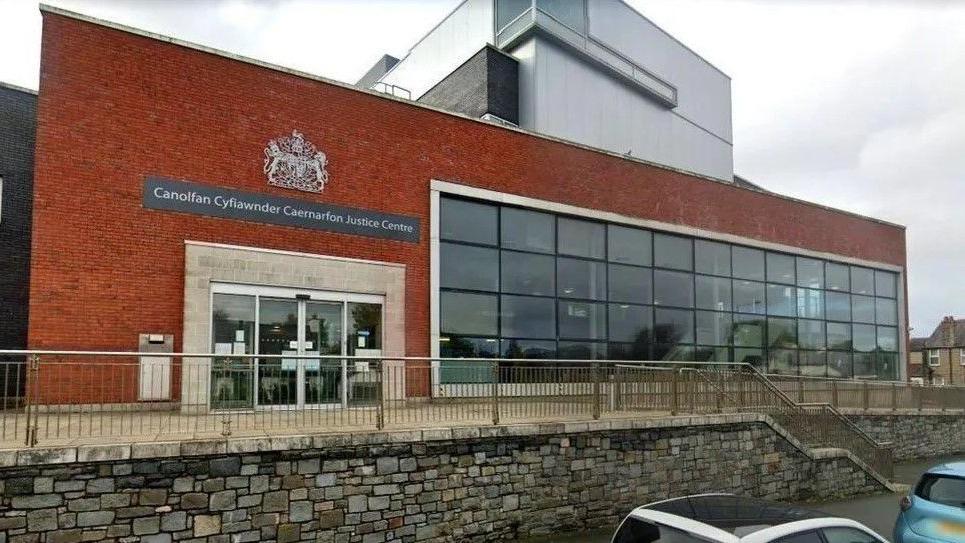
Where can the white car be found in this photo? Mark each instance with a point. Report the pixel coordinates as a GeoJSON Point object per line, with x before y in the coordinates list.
{"type": "Point", "coordinates": [726, 518]}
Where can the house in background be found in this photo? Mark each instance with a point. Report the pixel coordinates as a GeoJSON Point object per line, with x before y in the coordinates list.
{"type": "Point", "coordinates": [940, 358]}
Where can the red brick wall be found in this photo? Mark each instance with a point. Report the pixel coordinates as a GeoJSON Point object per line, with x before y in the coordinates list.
{"type": "Point", "coordinates": [115, 107]}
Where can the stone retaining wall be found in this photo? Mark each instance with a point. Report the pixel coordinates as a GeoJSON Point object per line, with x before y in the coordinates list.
{"type": "Point", "coordinates": [915, 434]}
{"type": "Point", "coordinates": [469, 484]}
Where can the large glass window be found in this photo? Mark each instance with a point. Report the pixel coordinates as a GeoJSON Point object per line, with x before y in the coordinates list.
{"type": "Point", "coordinates": [568, 12]}
{"type": "Point", "coordinates": [527, 317]}
{"type": "Point", "coordinates": [580, 279]}
{"type": "Point", "coordinates": [713, 293]}
{"type": "Point", "coordinates": [712, 258]}
{"type": "Point", "coordinates": [673, 252]}
{"type": "Point", "coordinates": [582, 238]}
{"type": "Point", "coordinates": [527, 273]}
{"type": "Point", "coordinates": [673, 288]}
{"type": "Point", "coordinates": [469, 267]}
{"type": "Point", "coordinates": [529, 284]}
{"type": "Point", "coordinates": [629, 245]}
{"type": "Point", "coordinates": [630, 284]}
{"type": "Point", "coordinates": [508, 10]}
{"type": "Point", "coordinates": [527, 230]}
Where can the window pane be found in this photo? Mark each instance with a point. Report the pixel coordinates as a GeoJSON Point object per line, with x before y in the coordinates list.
{"type": "Point", "coordinates": [469, 314]}
{"type": "Point", "coordinates": [629, 245]}
{"type": "Point", "coordinates": [673, 288]}
{"type": "Point", "coordinates": [839, 365]}
{"type": "Point", "coordinates": [582, 238]}
{"type": "Point", "coordinates": [467, 347]}
{"type": "Point", "coordinates": [568, 12]}
{"type": "Point", "coordinates": [582, 350]}
{"type": "Point", "coordinates": [629, 351]}
{"type": "Point", "coordinates": [864, 366]}
{"type": "Point", "coordinates": [528, 348]}
{"type": "Point", "coordinates": [838, 306]}
{"type": "Point", "coordinates": [886, 366]}
{"type": "Point", "coordinates": [630, 284]}
{"type": "Point", "coordinates": [863, 338]}
{"type": "Point", "coordinates": [526, 273]}
{"type": "Point", "coordinates": [810, 273]}
{"type": "Point", "coordinates": [782, 362]}
{"type": "Point", "coordinates": [673, 326]}
{"type": "Point", "coordinates": [837, 277]}
{"type": "Point", "coordinates": [748, 263]}
{"type": "Point", "coordinates": [780, 268]}
{"type": "Point", "coordinates": [528, 230]}
{"type": "Point", "coordinates": [748, 297]}
{"type": "Point", "coordinates": [810, 334]}
{"type": "Point", "coordinates": [672, 252]}
{"type": "Point", "coordinates": [582, 320]}
{"type": "Point", "coordinates": [467, 221]}
{"type": "Point", "coordinates": [862, 309]}
{"type": "Point", "coordinates": [468, 267]}
{"type": "Point", "coordinates": [885, 284]}
{"type": "Point", "coordinates": [862, 280]}
{"type": "Point", "coordinates": [886, 311]}
{"type": "Point", "coordinates": [781, 300]}
{"type": "Point", "coordinates": [847, 535]}
{"type": "Point", "coordinates": [712, 354]}
{"type": "Point", "coordinates": [581, 278]}
{"type": "Point", "coordinates": [748, 331]}
{"type": "Point", "coordinates": [839, 336]}
{"type": "Point", "coordinates": [631, 323]}
{"type": "Point", "coordinates": [507, 10]}
{"type": "Point", "coordinates": [810, 303]}
{"type": "Point", "coordinates": [711, 257]}
{"type": "Point", "coordinates": [781, 333]}
{"type": "Point", "coordinates": [754, 357]}
{"type": "Point", "coordinates": [713, 293]}
{"type": "Point", "coordinates": [887, 338]}
{"type": "Point", "coordinates": [713, 328]}
{"type": "Point", "coordinates": [673, 352]}
{"type": "Point", "coordinates": [813, 363]}
{"type": "Point", "coordinates": [528, 317]}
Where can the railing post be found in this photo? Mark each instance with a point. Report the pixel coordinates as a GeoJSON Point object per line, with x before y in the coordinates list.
{"type": "Point", "coordinates": [894, 396]}
{"type": "Point", "coordinates": [380, 416]}
{"type": "Point", "coordinates": [834, 394]}
{"type": "Point", "coordinates": [719, 396]}
{"type": "Point", "coordinates": [740, 387]}
{"type": "Point", "coordinates": [921, 397]}
{"type": "Point", "coordinates": [495, 391]}
{"type": "Point", "coordinates": [596, 391]}
{"type": "Point", "coordinates": [800, 389]}
{"type": "Point", "coordinates": [674, 408]}
{"type": "Point", "coordinates": [866, 395]}
{"type": "Point", "coordinates": [32, 382]}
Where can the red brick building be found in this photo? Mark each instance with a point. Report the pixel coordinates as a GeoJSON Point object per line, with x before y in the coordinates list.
{"type": "Point", "coordinates": [124, 246]}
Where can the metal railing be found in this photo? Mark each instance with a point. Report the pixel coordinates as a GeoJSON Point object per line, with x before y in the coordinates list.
{"type": "Point", "coordinates": [73, 397]}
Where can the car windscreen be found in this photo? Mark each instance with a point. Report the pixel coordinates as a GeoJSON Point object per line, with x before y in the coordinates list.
{"type": "Point", "coordinates": [634, 530]}
{"type": "Point", "coordinates": [942, 489]}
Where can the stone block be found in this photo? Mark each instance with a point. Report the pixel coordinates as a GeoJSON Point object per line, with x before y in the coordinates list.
{"type": "Point", "coordinates": [206, 525]}
{"type": "Point", "coordinates": [357, 504]}
{"type": "Point", "coordinates": [174, 521]}
{"type": "Point", "coordinates": [289, 533]}
{"type": "Point", "coordinates": [310, 466]}
{"type": "Point", "coordinates": [387, 465]}
{"type": "Point", "coordinates": [103, 453]}
{"type": "Point", "coordinates": [334, 518]}
{"type": "Point", "coordinates": [223, 467]}
{"type": "Point", "coordinates": [335, 465]}
{"type": "Point", "coordinates": [100, 486]}
{"type": "Point", "coordinates": [42, 520]}
{"type": "Point", "coordinates": [194, 500]}
{"type": "Point", "coordinates": [37, 501]}
{"type": "Point", "coordinates": [33, 457]}
{"type": "Point", "coordinates": [223, 501]}
{"type": "Point", "coordinates": [300, 511]}
{"type": "Point", "coordinates": [275, 501]}
{"type": "Point", "coordinates": [152, 496]}
{"type": "Point", "coordinates": [115, 500]}
{"type": "Point", "coordinates": [66, 536]}
{"type": "Point", "coordinates": [157, 449]}
{"type": "Point", "coordinates": [95, 518]}
{"type": "Point", "coordinates": [156, 538]}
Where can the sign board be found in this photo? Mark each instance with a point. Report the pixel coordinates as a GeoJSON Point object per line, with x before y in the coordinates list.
{"type": "Point", "coordinates": [187, 197]}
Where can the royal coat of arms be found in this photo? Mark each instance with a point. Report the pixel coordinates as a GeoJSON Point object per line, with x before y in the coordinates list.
{"type": "Point", "coordinates": [295, 163]}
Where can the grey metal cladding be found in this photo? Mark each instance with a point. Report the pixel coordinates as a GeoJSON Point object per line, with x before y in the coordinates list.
{"type": "Point", "coordinates": [380, 68]}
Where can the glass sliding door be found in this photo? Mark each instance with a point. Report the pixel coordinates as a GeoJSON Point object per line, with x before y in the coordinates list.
{"type": "Point", "coordinates": [324, 335]}
{"type": "Point", "coordinates": [233, 332]}
{"type": "Point", "coordinates": [278, 335]}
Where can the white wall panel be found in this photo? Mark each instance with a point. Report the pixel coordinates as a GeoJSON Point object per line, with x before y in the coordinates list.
{"type": "Point", "coordinates": [464, 32]}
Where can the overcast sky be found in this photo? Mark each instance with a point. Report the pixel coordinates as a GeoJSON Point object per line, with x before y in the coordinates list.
{"type": "Point", "coordinates": [858, 105]}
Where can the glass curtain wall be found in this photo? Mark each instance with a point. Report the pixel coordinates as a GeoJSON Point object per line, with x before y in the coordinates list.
{"type": "Point", "coordinates": [518, 283]}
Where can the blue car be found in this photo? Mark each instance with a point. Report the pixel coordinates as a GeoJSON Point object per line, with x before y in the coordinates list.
{"type": "Point", "coordinates": [935, 510]}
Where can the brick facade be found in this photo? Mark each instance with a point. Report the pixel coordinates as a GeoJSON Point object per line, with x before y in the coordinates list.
{"type": "Point", "coordinates": [18, 113]}
{"type": "Point", "coordinates": [116, 107]}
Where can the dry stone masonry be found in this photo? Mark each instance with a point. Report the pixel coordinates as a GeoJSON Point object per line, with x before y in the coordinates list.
{"type": "Point", "coordinates": [469, 484]}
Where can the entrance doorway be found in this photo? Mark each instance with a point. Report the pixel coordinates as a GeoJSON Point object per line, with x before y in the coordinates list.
{"type": "Point", "coordinates": [279, 321]}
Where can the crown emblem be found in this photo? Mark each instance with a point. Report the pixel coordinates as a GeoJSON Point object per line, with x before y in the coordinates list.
{"type": "Point", "coordinates": [295, 163]}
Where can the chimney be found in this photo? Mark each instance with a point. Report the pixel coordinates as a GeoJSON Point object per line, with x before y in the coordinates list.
{"type": "Point", "coordinates": [948, 331]}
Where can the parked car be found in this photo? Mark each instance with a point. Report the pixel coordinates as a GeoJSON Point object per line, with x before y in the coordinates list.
{"type": "Point", "coordinates": [934, 512]}
{"type": "Point", "coordinates": [726, 518]}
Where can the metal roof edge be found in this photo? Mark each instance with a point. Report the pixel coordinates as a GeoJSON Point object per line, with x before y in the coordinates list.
{"type": "Point", "coordinates": [46, 8]}
{"type": "Point", "coordinates": [18, 88]}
